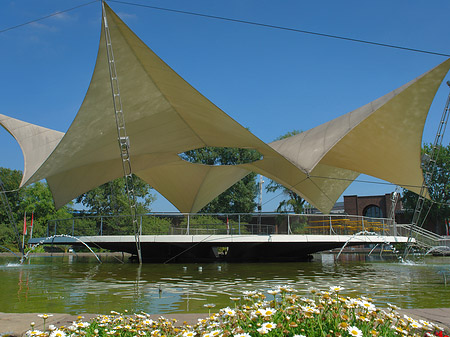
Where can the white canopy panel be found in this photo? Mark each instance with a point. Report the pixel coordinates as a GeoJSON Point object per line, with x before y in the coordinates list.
{"type": "Point", "coordinates": [166, 116]}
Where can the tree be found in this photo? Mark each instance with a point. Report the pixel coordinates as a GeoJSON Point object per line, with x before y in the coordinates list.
{"type": "Point", "coordinates": [438, 188]}
{"type": "Point", "coordinates": [111, 198]}
{"type": "Point", "coordinates": [11, 181]}
{"type": "Point", "coordinates": [292, 201]}
{"type": "Point", "coordinates": [35, 198]}
{"type": "Point", "coordinates": [239, 198]}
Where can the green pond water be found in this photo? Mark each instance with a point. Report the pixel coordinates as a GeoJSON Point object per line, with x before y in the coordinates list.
{"type": "Point", "coordinates": [80, 285]}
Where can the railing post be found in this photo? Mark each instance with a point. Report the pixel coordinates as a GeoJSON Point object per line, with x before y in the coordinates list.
{"type": "Point", "coordinates": [55, 227]}
{"type": "Point", "coordinates": [140, 226]}
{"type": "Point", "coordinates": [331, 226]}
{"type": "Point", "coordinates": [239, 223]}
{"type": "Point", "coordinates": [48, 229]}
{"type": "Point", "coordinates": [289, 225]}
{"type": "Point", "coordinates": [362, 222]}
{"type": "Point", "coordinates": [101, 225]}
{"type": "Point", "coordinates": [73, 226]}
{"type": "Point", "coordinates": [187, 230]}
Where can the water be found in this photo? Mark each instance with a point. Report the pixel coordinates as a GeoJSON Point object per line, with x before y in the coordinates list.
{"type": "Point", "coordinates": [80, 285]}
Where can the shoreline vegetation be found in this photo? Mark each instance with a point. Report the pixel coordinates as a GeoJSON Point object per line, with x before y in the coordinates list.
{"type": "Point", "coordinates": [277, 312]}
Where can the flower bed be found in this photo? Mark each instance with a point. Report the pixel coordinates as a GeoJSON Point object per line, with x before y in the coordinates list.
{"type": "Point", "coordinates": [282, 313]}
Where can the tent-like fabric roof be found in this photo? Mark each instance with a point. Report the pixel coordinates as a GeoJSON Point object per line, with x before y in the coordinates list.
{"type": "Point", "coordinates": [36, 142]}
{"type": "Point", "coordinates": [166, 116]}
{"type": "Point", "coordinates": [381, 139]}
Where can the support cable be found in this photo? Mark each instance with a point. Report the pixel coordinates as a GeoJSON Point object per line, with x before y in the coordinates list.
{"type": "Point", "coordinates": [124, 142]}
{"type": "Point", "coordinates": [46, 17]}
{"type": "Point", "coordinates": [260, 24]}
{"type": "Point", "coordinates": [295, 30]}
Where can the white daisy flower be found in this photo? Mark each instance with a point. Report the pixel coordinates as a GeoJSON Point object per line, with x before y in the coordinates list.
{"type": "Point", "coordinates": [249, 293]}
{"type": "Point", "coordinates": [81, 324]}
{"type": "Point", "coordinates": [354, 331]}
{"type": "Point", "coordinates": [58, 333]}
{"type": "Point", "coordinates": [228, 311]}
{"type": "Point", "coordinates": [416, 325]}
{"type": "Point", "coordinates": [44, 316]}
{"type": "Point", "coordinates": [189, 334]}
{"type": "Point", "coordinates": [262, 331]}
{"type": "Point", "coordinates": [426, 325]}
{"type": "Point", "coordinates": [147, 321]}
{"type": "Point", "coordinates": [367, 305]}
{"type": "Point", "coordinates": [336, 289]}
{"type": "Point", "coordinates": [269, 326]}
{"type": "Point", "coordinates": [267, 312]}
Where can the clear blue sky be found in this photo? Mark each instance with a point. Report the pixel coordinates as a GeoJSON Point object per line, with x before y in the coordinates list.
{"type": "Point", "coordinates": [271, 81]}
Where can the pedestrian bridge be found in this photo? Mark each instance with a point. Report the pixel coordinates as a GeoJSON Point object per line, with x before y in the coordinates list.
{"type": "Point", "coordinates": [176, 237]}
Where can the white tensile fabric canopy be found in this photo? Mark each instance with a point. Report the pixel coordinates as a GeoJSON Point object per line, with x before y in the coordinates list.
{"type": "Point", "coordinates": [165, 116]}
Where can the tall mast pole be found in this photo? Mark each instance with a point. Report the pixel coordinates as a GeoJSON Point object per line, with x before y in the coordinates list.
{"type": "Point", "coordinates": [124, 141]}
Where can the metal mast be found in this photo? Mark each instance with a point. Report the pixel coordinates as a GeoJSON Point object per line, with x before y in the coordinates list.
{"type": "Point", "coordinates": [429, 166]}
{"type": "Point", "coordinates": [124, 142]}
{"type": "Point", "coordinates": [260, 185]}
{"type": "Point", "coordinates": [394, 200]}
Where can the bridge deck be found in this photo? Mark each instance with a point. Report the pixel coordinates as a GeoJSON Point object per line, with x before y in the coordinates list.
{"type": "Point", "coordinates": [161, 248]}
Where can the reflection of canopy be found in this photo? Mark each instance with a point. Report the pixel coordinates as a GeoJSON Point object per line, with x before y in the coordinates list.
{"type": "Point", "coordinates": [165, 116]}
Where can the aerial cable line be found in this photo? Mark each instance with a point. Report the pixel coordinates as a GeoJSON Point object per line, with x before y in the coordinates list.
{"type": "Point", "coordinates": [47, 16]}
{"type": "Point", "coordinates": [295, 30]}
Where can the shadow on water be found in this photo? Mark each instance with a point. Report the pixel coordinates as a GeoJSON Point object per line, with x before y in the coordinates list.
{"type": "Point", "coordinates": [78, 284]}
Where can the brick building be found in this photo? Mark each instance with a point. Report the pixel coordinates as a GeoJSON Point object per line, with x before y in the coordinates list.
{"type": "Point", "coordinates": [377, 206]}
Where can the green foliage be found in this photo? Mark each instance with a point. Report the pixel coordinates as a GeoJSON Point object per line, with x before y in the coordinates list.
{"type": "Point", "coordinates": [239, 198]}
{"type": "Point", "coordinates": [154, 225]}
{"type": "Point", "coordinates": [210, 155]}
{"type": "Point", "coordinates": [292, 201]}
{"type": "Point", "coordinates": [209, 224]}
{"type": "Point", "coordinates": [111, 198]}
{"type": "Point", "coordinates": [202, 220]}
{"type": "Point", "coordinates": [439, 189]}
{"type": "Point", "coordinates": [299, 226]}
{"type": "Point", "coordinates": [289, 134]}
{"type": "Point", "coordinates": [35, 198]}
{"type": "Point", "coordinates": [11, 181]}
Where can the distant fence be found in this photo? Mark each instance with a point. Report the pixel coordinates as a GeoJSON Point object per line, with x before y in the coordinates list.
{"type": "Point", "coordinates": [211, 224]}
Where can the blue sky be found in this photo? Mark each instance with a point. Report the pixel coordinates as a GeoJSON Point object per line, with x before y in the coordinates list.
{"type": "Point", "coordinates": [270, 81]}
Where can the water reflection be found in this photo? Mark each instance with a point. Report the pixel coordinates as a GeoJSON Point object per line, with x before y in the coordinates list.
{"type": "Point", "coordinates": [80, 285]}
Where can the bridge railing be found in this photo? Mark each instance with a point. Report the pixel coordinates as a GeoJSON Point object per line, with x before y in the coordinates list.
{"type": "Point", "coordinates": [423, 236]}
{"type": "Point", "coordinates": [225, 224]}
